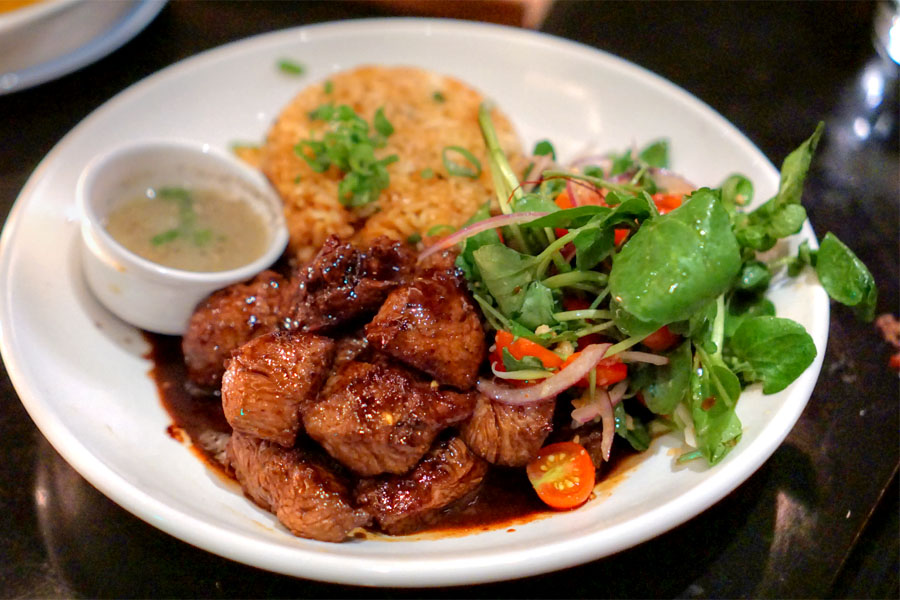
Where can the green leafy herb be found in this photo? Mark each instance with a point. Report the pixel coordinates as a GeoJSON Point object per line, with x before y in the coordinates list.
{"type": "Point", "coordinates": [845, 277]}
{"type": "Point", "coordinates": [471, 170]}
{"type": "Point", "coordinates": [716, 426]}
{"type": "Point", "coordinates": [677, 262]}
{"type": "Point", "coordinates": [772, 350]}
{"type": "Point", "coordinates": [526, 363]}
{"type": "Point", "coordinates": [631, 429]}
{"type": "Point", "coordinates": [665, 387]}
{"type": "Point", "coordinates": [655, 154]}
{"type": "Point", "coordinates": [782, 215]}
{"type": "Point", "coordinates": [544, 148]}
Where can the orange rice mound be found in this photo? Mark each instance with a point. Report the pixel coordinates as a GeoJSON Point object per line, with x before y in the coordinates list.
{"type": "Point", "coordinates": [428, 112]}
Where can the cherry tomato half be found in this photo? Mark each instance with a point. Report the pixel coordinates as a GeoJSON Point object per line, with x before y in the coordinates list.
{"type": "Point", "coordinates": [661, 339]}
{"type": "Point", "coordinates": [562, 474]}
{"type": "Point", "coordinates": [667, 202]}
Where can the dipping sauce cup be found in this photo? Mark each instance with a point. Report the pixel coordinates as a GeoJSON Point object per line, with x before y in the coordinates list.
{"type": "Point", "coordinates": [144, 293]}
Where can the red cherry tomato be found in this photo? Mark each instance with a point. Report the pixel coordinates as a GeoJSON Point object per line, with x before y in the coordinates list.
{"type": "Point", "coordinates": [661, 339]}
{"type": "Point", "coordinates": [520, 348]}
{"type": "Point", "coordinates": [666, 202]}
{"type": "Point", "coordinates": [562, 474]}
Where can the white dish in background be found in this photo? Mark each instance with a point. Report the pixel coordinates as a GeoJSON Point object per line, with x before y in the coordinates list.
{"type": "Point", "coordinates": [51, 38]}
{"type": "Point", "coordinates": [82, 376]}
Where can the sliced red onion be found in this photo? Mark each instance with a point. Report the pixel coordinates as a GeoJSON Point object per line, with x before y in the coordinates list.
{"type": "Point", "coordinates": [617, 392]}
{"type": "Point", "coordinates": [586, 413]}
{"type": "Point", "coordinates": [467, 232]}
{"type": "Point", "coordinates": [645, 357]}
{"type": "Point", "coordinates": [591, 410]}
{"type": "Point", "coordinates": [671, 182]}
{"type": "Point", "coordinates": [550, 387]}
{"type": "Point", "coordinates": [608, 419]}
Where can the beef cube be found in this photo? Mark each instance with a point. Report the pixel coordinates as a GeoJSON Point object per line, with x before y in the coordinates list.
{"type": "Point", "coordinates": [430, 324]}
{"type": "Point", "coordinates": [447, 478]}
{"type": "Point", "coordinates": [349, 347]}
{"type": "Point", "coordinates": [227, 319]}
{"type": "Point", "coordinates": [343, 283]}
{"type": "Point", "coordinates": [270, 378]}
{"type": "Point", "coordinates": [307, 496]}
{"type": "Point", "coordinates": [508, 435]}
{"type": "Point", "coordinates": [379, 417]}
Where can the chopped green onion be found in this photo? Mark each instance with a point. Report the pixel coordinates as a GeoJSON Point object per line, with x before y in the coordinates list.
{"type": "Point", "coordinates": [427, 173]}
{"type": "Point", "coordinates": [381, 124]}
{"type": "Point", "coordinates": [349, 146]}
{"type": "Point", "coordinates": [291, 67]}
{"type": "Point", "coordinates": [458, 169]}
{"type": "Point", "coordinates": [439, 97]}
{"type": "Point", "coordinates": [415, 238]}
{"type": "Point", "coordinates": [165, 237]}
{"type": "Point", "coordinates": [328, 87]}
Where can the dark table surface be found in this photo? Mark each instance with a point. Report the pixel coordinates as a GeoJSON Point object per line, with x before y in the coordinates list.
{"type": "Point", "coordinates": [819, 519]}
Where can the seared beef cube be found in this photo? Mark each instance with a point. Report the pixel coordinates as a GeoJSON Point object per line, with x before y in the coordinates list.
{"type": "Point", "coordinates": [442, 266]}
{"type": "Point", "coordinates": [307, 496]}
{"type": "Point", "coordinates": [448, 477]}
{"type": "Point", "coordinates": [229, 318]}
{"type": "Point", "coordinates": [381, 418]}
{"type": "Point", "coordinates": [349, 347]}
{"type": "Point", "coordinates": [342, 283]}
{"type": "Point", "coordinates": [270, 378]}
{"type": "Point", "coordinates": [508, 435]}
{"type": "Point", "coordinates": [431, 325]}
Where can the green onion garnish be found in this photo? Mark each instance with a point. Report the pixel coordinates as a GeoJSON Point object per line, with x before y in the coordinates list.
{"type": "Point", "coordinates": [460, 169]}
{"type": "Point", "coordinates": [290, 67]}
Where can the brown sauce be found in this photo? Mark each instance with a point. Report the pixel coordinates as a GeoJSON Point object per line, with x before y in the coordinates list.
{"type": "Point", "coordinates": [505, 500]}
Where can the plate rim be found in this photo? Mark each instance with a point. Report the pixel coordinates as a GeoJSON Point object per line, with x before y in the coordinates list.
{"type": "Point", "coordinates": [442, 571]}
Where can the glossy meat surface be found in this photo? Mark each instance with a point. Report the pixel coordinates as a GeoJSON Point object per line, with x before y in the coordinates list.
{"type": "Point", "coordinates": [270, 378]}
{"type": "Point", "coordinates": [378, 417]}
{"type": "Point", "coordinates": [307, 496]}
{"type": "Point", "coordinates": [448, 476]}
{"type": "Point", "coordinates": [507, 435]}
{"type": "Point", "coordinates": [227, 319]}
{"type": "Point", "coordinates": [432, 325]}
{"type": "Point", "coordinates": [343, 283]}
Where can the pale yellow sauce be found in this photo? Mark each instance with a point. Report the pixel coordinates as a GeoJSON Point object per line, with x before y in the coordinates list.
{"type": "Point", "coordinates": [190, 229]}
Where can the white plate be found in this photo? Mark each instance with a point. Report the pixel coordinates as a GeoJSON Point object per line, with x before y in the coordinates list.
{"type": "Point", "coordinates": [52, 38]}
{"type": "Point", "coordinates": [81, 374]}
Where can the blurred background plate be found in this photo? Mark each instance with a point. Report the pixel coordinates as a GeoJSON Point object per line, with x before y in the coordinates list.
{"type": "Point", "coordinates": [43, 40]}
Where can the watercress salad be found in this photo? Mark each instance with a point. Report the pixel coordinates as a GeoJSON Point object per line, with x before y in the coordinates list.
{"type": "Point", "coordinates": [618, 287]}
